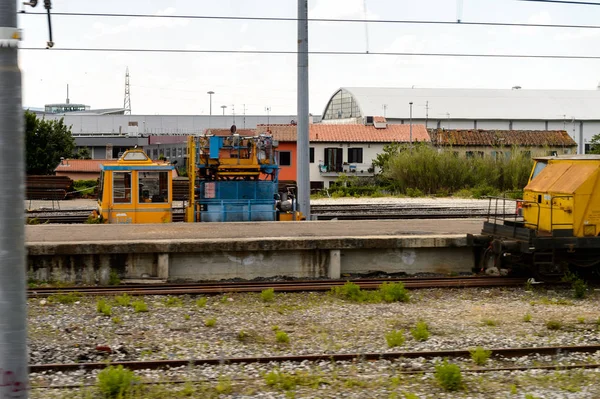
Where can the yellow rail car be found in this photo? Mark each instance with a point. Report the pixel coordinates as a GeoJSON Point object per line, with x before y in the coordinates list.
{"type": "Point", "coordinates": [136, 190]}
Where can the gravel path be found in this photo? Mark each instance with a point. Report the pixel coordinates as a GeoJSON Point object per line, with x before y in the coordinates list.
{"type": "Point", "coordinates": [316, 323]}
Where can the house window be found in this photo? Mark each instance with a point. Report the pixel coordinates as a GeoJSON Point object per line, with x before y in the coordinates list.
{"type": "Point", "coordinates": [311, 155]}
{"type": "Point", "coordinates": [122, 187]}
{"type": "Point", "coordinates": [285, 158]}
{"type": "Point", "coordinates": [155, 153]}
{"type": "Point", "coordinates": [180, 152]}
{"type": "Point", "coordinates": [355, 155]}
{"type": "Point", "coordinates": [552, 153]}
{"type": "Point", "coordinates": [168, 155]}
{"type": "Point", "coordinates": [497, 155]}
{"type": "Point", "coordinates": [333, 160]}
{"type": "Point", "coordinates": [316, 186]}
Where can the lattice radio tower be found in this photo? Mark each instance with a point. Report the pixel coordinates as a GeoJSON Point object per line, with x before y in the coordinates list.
{"type": "Point", "coordinates": [127, 102]}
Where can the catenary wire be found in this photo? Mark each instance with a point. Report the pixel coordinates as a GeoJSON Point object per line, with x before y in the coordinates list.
{"type": "Point", "coordinates": [580, 3]}
{"type": "Point", "coordinates": [284, 52]}
{"type": "Point", "coordinates": [331, 20]}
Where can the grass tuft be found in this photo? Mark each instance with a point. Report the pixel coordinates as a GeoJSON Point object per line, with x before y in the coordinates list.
{"type": "Point", "coordinates": [449, 376]}
{"type": "Point", "coordinates": [282, 337]}
{"type": "Point", "coordinates": [395, 338]}
{"type": "Point", "coordinates": [268, 295]}
{"type": "Point", "coordinates": [103, 307]}
{"type": "Point", "coordinates": [210, 322]}
{"type": "Point", "coordinates": [480, 356]}
{"type": "Point", "coordinates": [139, 306]}
{"type": "Point", "coordinates": [116, 382]}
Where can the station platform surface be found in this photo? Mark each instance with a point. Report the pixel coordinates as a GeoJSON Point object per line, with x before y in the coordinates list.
{"type": "Point", "coordinates": [73, 234]}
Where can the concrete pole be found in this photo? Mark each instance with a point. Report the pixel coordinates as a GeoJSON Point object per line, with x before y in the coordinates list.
{"type": "Point", "coordinates": [13, 300]}
{"type": "Point", "coordinates": [410, 128]}
{"type": "Point", "coordinates": [303, 139]}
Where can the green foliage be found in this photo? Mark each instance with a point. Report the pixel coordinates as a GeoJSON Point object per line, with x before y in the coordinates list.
{"type": "Point", "coordinates": [578, 285]}
{"type": "Point", "coordinates": [581, 320]}
{"type": "Point", "coordinates": [139, 306]}
{"type": "Point", "coordinates": [224, 386]}
{"type": "Point", "coordinates": [527, 318]}
{"type": "Point", "coordinates": [414, 192]}
{"type": "Point", "coordinates": [201, 302]}
{"type": "Point", "coordinates": [390, 151]}
{"type": "Point", "coordinates": [173, 301]}
{"type": "Point", "coordinates": [242, 336]}
{"type": "Point", "coordinates": [123, 300]}
{"type": "Point", "coordinates": [408, 395]}
{"type": "Point", "coordinates": [420, 332]}
{"type": "Point", "coordinates": [187, 317]}
{"type": "Point", "coordinates": [114, 278]}
{"type": "Point", "coordinates": [117, 320]}
{"type": "Point", "coordinates": [282, 337]}
{"type": "Point", "coordinates": [280, 380]}
{"type": "Point", "coordinates": [65, 299]}
{"type": "Point", "coordinates": [92, 219]}
{"type": "Point", "coordinates": [46, 141]}
{"type": "Point", "coordinates": [479, 355]}
{"type": "Point", "coordinates": [531, 396]}
{"type": "Point", "coordinates": [85, 187]}
{"type": "Point", "coordinates": [349, 291]}
{"type": "Point", "coordinates": [513, 389]}
{"type": "Point", "coordinates": [268, 295]}
{"type": "Point", "coordinates": [211, 322]}
{"type": "Point", "coordinates": [116, 382]}
{"type": "Point", "coordinates": [420, 168]}
{"type": "Point", "coordinates": [449, 376]}
{"type": "Point", "coordinates": [395, 338]}
{"type": "Point", "coordinates": [489, 322]}
{"type": "Point", "coordinates": [393, 292]}
{"type": "Point", "coordinates": [594, 144]}
{"type": "Point", "coordinates": [553, 325]}
{"type": "Point", "coordinates": [103, 307]}
{"type": "Point", "coordinates": [83, 153]}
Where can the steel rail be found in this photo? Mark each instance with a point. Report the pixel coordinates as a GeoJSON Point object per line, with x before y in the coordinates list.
{"type": "Point", "coordinates": [318, 285]}
{"type": "Point", "coordinates": [337, 357]}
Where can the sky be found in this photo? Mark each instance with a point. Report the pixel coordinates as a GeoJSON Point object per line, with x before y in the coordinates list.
{"type": "Point", "coordinates": [177, 84]}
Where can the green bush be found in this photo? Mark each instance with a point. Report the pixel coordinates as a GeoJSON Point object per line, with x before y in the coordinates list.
{"type": "Point", "coordinates": [553, 325]}
{"type": "Point", "coordinates": [65, 299]}
{"type": "Point", "coordinates": [116, 382]}
{"type": "Point", "coordinates": [449, 376]}
{"type": "Point", "coordinates": [85, 187]}
{"type": "Point", "coordinates": [268, 295]}
{"type": "Point", "coordinates": [480, 356]}
{"type": "Point", "coordinates": [114, 278]}
{"type": "Point", "coordinates": [103, 307]}
{"type": "Point", "coordinates": [139, 306]}
{"type": "Point", "coordinates": [282, 337]}
{"type": "Point", "coordinates": [123, 300]}
{"type": "Point", "coordinates": [350, 292]}
{"type": "Point", "coordinates": [395, 338]}
{"type": "Point", "coordinates": [393, 292]}
{"type": "Point", "coordinates": [578, 285]}
{"type": "Point", "coordinates": [420, 332]}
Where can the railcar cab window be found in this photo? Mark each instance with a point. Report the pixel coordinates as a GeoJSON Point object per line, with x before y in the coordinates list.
{"type": "Point", "coordinates": [153, 187]}
{"type": "Point", "coordinates": [122, 187]}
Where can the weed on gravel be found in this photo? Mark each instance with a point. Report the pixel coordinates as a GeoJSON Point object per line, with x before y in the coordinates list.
{"type": "Point", "coordinates": [479, 355]}
{"type": "Point", "coordinates": [553, 325]}
{"type": "Point", "coordinates": [420, 332]}
{"type": "Point", "coordinates": [387, 292]}
{"type": "Point", "coordinates": [268, 295]}
{"type": "Point", "coordinates": [116, 382]}
{"type": "Point", "coordinates": [173, 302]}
{"type": "Point", "coordinates": [201, 302]}
{"type": "Point", "coordinates": [395, 338]}
{"type": "Point", "coordinates": [282, 337]}
{"type": "Point", "coordinates": [103, 307]}
{"type": "Point", "coordinates": [123, 300]}
{"type": "Point", "coordinates": [449, 376]}
{"type": "Point", "coordinates": [139, 306]}
{"type": "Point", "coordinates": [210, 322]}
{"type": "Point", "coordinates": [65, 299]}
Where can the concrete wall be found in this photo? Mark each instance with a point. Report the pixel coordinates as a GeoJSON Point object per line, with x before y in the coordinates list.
{"type": "Point", "coordinates": [247, 258]}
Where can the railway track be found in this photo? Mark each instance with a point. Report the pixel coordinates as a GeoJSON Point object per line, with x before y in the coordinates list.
{"type": "Point", "coordinates": [278, 286]}
{"type": "Point", "coordinates": [337, 357]}
{"type": "Point", "coordinates": [322, 212]}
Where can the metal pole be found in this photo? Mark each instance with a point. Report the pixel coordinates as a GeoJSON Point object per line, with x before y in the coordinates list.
{"type": "Point", "coordinates": [13, 300]}
{"type": "Point", "coordinates": [303, 117]}
{"type": "Point", "coordinates": [410, 103]}
{"type": "Point", "coordinates": [210, 93]}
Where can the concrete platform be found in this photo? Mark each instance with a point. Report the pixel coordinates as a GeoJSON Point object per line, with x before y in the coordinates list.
{"type": "Point", "coordinates": [213, 251]}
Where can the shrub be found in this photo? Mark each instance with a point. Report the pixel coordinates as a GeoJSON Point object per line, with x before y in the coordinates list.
{"type": "Point", "coordinates": [268, 295]}
{"type": "Point", "coordinates": [449, 376]}
{"type": "Point", "coordinates": [282, 337]}
{"type": "Point", "coordinates": [123, 300]}
{"type": "Point", "coordinates": [139, 306]}
{"type": "Point", "coordinates": [210, 322]}
{"type": "Point", "coordinates": [280, 380]}
{"type": "Point", "coordinates": [173, 301]}
{"type": "Point", "coordinates": [201, 302]}
{"type": "Point", "coordinates": [577, 284]}
{"type": "Point", "coordinates": [65, 299]}
{"type": "Point", "coordinates": [394, 292]}
{"type": "Point", "coordinates": [349, 291]}
{"type": "Point", "coordinates": [553, 325]}
{"type": "Point", "coordinates": [103, 307]}
{"type": "Point", "coordinates": [116, 382]}
{"type": "Point", "coordinates": [527, 318]}
{"type": "Point", "coordinates": [395, 338]}
{"type": "Point", "coordinates": [480, 356]}
{"type": "Point", "coordinates": [113, 278]}
{"type": "Point", "coordinates": [420, 332]}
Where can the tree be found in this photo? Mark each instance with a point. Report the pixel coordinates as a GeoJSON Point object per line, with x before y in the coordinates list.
{"type": "Point", "coordinates": [45, 143]}
{"type": "Point", "coordinates": [83, 153]}
{"type": "Point", "coordinates": [595, 144]}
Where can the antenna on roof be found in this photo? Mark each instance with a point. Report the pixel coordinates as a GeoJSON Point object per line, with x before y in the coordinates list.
{"type": "Point", "coordinates": [68, 94]}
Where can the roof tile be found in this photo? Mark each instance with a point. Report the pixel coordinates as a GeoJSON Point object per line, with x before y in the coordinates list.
{"type": "Point", "coordinates": [501, 137]}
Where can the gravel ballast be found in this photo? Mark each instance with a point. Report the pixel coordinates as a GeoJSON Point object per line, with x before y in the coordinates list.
{"type": "Point", "coordinates": [317, 323]}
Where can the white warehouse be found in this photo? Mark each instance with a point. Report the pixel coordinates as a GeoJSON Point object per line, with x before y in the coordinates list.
{"type": "Point", "coordinates": [576, 111]}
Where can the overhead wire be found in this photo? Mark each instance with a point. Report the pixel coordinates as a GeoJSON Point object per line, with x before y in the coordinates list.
{"type": "Point", "coordinates": [584, 3]}
{"type": "Point", "coordinates": [330, 20]}
{"type": "Point", "coordinates": [313, 52]}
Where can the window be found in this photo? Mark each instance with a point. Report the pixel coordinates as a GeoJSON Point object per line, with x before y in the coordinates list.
{"type": "Point", "coordinates": [180, 152]}
{"type": "Point", "coordinates": [355, 155]}
{"type": "Point", "coordinates": [153, 187]}
{"type": "Point", "coordinates": [122, 187]}
{"type": "Point", "coordinates": [333, 160]}
{"type": "Point", "coordinates": [155, 153]}
{"type": "Point", "coordinates": [316, 186]}
{"type": "Point", "coordinates": [285, 158]}
{"type": "Point", "coordinates": [168, 155]}
{"type": "Point", "coordinates": [311, 155]}
{"type": "Point", "coordinates": [552, 153]}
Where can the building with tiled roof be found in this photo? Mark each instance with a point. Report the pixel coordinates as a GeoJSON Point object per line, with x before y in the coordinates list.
{"type": "Point", "coordinates": [340, 148]}
{"type": "Point", "coordinates": [81, 169]}
{"type": "Point", "coordinates": [493, 142]}
{"type": "Point", "coordinates": [576, 111]}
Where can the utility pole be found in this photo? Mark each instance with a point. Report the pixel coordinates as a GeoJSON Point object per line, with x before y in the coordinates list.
{"type": "Point", "coordinates": [410, 128]}
{"type": "Point", "coordinates": [426, 113]}
{"type": "Point", "coordinates": [244, 116]}
{"type": "Point", "coordinates": [127, 100]}
{"type": "Point", "coordinates": [13, 300]}
{"type": "Point", "coordinates": [303, 117]}
{"type": "Point", "coordinates": [268, 109]}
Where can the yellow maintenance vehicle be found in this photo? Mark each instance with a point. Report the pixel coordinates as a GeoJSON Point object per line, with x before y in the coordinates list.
{"type": "Point", "coordinates": [556, 227]}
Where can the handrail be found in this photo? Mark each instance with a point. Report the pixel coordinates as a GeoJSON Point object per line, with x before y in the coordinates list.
{"type": "Point", "coordinates": [514, 219]}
